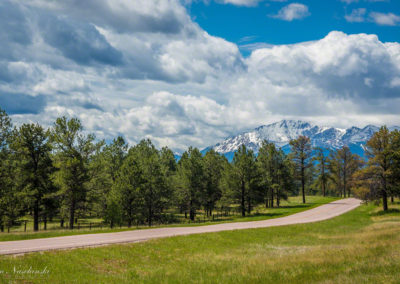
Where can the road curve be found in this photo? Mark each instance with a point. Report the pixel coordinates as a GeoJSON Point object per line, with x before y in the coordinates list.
{"type": "Point", "coordinates": [320, 213]}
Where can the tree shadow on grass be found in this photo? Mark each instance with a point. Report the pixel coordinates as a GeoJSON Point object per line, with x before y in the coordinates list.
{"type": "Point", "coordinates": [297, 206]}
{"type": "Point", "coordinates": [264, 214]}
{"type": "Point", "coordinates": [389, 211]}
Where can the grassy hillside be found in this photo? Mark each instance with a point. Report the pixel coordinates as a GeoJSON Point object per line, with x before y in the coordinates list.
{"type": "Point", "coordinates": [361, 246]}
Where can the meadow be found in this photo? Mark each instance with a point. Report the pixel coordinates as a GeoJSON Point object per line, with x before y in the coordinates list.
{"type": "Point", "coordinates": [290, 206]}
{"type": "Point", "coordinates": [361, 246]}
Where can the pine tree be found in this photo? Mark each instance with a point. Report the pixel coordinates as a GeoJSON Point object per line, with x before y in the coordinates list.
{"type": "Point", "coordinates": [241, 179]}
{"type": "Point", "coordinates": [32, 150]}
{"type": "Point", "coordinates": [322, 168]}
{"type": "Point", "coordinates": [380, 154]}
{"type": "Point", "coordinates": [154, 190]}
{"type": "Point", "coordinates": [214, 165]}
{"type": "Point", "coordinates": [343, 165]}
{"type": "Point", "coordinates": [190, 181]}
{"type": "Point", "coordinates": [9, 199]}
{"type": "Point", "coordinates": [301, 157]}
{"type": "Point", "coordinates": [73, 151]}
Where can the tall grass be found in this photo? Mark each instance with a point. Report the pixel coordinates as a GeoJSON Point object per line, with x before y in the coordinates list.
{"type": "Point", "coordinates": [361, 246]}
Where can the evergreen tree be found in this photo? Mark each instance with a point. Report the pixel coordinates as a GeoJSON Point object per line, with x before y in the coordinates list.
{"type": "Point", "coordinates": [9, 199]}
{"type": "Point", "coordinates": [275, 173]}
{"type": "Point", "coordinates": [190, 181]}
{"type": "Point", "coordinates": [213, 168]}
{"type": "Point", "coordinates": [104, 167]}
{"type": "Point", "coordinates": [154, 189]}
{"type": "Point", "coordinates": [241, 179]}
{"type": "Point", "coordinates": [395, 164]}
{"type": "Point", "coordinates": [380, 162]}
{"type": "Point", "coordinates": [32, 149]}
{"type": "Point", "coordinates": [322, 169]}
{"type": "Point", "coordinates": [124, 201]}
{"type": "Point", "coordinates": [301, 156]}
{"type": "Point", "coordinates": [343, 165]}
{"type": "Point", "coordinates": [73, 151]}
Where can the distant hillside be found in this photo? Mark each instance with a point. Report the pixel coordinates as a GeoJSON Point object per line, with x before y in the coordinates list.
{"type": "Point", "coordinates": [282, 132]}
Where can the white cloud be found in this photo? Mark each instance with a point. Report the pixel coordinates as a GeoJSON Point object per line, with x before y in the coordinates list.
{"type": "Point", "coordinates": [247, 3]}
{"type": "Point", "coordinates": [383, 19]}
{"type": "Point", "coordinates": [182, 86]}
{"type": "Point", "coordinates": [360, 15]}
{"type": "Point", "coordinates": [356, 16]}
{"type": "Point", "coordinates": [294, 11]}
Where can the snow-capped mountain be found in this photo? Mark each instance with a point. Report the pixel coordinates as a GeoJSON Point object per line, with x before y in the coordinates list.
{"type": "Point", "coordinates": [282, 132]}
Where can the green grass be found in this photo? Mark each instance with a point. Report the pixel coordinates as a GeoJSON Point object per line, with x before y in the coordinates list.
{"type": "Point", "coordinates": [291, 206]}
{"type": "Point", "coordinates": [361, 246]}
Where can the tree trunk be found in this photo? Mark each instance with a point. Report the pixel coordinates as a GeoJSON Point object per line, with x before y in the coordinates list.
{"type": "Point", "coordinates": [150, 216]}
{"type": "Point", "coordinates": [303, 181]}
{"type": "Point", "coordinates": [191, 211]}
{"type": "Point", "coordinates": [384, 199]}
{"type": "Point", "coordinates": [392, 199]}
{"type": "Point", "coordinates": [72, 215]}
{"type": "Point", "coordinates": [243, 200]}
{"type": "Point", "coordinates": [323, 176]}
{"type": "Point", "coordinates": [45, 223]}
{"type": "Point", "coordinates": [272, 197]}
{"type": "Point", "coordinates": [36, 216]}
{"type": "Point", "coordinates": [278, 199]}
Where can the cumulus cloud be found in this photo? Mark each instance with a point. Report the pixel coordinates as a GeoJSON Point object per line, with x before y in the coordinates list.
{"type": "Point", "coordinates": [80, 42]}
{"type": "Point", "coordinates": [360, 15]}
{"type": "Point", "coordinates": [158, 16]}
{"type": "Point", "coordinates": [293, 11]}
{"type": "Point", "coordinates": [356, 16]}
{"type": "Point", "coordinates": [16, 103]}
{"type": "Point", "coordinates": [383, 19]}
{"type": "Point", "coordinates": [177, 84]}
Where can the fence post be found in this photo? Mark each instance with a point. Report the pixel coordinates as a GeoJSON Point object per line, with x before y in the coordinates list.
{"type": "Point", "coordinates": [90, 226]}
{"type": "Point", "coordinates": [25, 227]}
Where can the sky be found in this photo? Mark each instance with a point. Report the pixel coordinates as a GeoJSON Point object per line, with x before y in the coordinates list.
{"type": "Point", "coordinates": [193, 72]}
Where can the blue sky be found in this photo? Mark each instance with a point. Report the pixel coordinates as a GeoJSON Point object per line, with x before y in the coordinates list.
{"type": "Point", "coordinates": [256, 24]}
{"type": "Point", "coordinates": [192, 72]}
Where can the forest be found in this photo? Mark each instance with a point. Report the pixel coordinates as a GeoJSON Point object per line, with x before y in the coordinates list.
{"type": "Point", "coordinates": [64, 173]}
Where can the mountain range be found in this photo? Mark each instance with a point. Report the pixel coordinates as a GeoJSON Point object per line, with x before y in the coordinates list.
{"type": "Point", "coordinates": [282, 132]}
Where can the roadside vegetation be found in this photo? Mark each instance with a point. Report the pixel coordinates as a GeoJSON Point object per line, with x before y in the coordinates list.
{"type": "Point", "coordinates": [63, 174]}
{"type": "Point", "coordinates": [361, 246]}
{"type": "Point", "coordinates": [291, 206]}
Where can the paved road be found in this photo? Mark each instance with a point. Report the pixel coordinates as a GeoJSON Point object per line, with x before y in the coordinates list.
{"type": "Point", "coordinates": [320, 213]}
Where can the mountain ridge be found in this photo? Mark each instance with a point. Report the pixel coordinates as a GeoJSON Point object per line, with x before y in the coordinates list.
{"type": "Point", "coordinates": [281, 132]}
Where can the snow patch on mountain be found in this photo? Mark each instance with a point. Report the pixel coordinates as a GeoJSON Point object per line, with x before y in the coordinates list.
{"type": "Point", "coordinates": [283, 131]}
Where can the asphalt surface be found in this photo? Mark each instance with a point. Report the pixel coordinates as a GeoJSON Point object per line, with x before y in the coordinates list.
{"type": "Point", "coordinates": [320, 213]}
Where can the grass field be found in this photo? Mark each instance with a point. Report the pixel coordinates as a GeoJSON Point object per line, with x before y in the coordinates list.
{"type": "Point", "coordinates": [362, 246]}
{"type": "Point", "coordinates": [293, 205]}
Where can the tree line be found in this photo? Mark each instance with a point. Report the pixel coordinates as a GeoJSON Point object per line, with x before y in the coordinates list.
{"type": "Point", "coordinates": [65, 173]}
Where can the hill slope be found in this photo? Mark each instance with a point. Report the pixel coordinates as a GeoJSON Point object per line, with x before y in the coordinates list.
{"type": "Point", "coordinates": [282, 132]}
